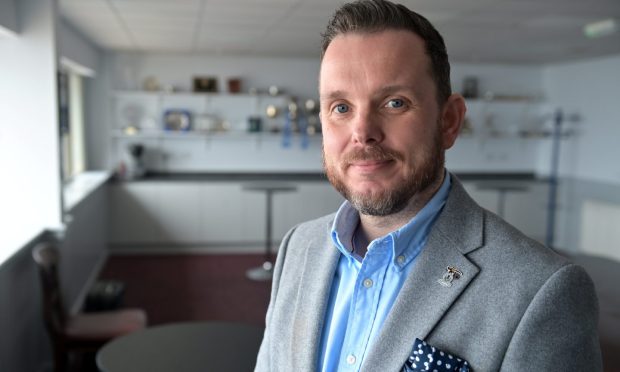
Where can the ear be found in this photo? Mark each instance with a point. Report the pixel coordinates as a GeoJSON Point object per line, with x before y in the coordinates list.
{"type": "Point", "coordinates": [452, 115]}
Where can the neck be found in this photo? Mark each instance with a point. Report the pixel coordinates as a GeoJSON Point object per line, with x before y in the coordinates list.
{"type": "Point", "coordinates": [372, 227]}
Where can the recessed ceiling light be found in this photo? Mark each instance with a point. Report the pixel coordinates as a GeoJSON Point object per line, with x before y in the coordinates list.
{"type": "Point", "coordinates": [600, 28]}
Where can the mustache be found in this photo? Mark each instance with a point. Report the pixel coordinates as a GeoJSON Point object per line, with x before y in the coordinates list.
{"type": "Point", "coordinates": [372, 153]}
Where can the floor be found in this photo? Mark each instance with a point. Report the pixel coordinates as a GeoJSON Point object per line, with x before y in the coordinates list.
{"type": "Point", "coordinates": [605, 274]}
{"type": "Point", "coordinates": [177, 288]}
{"type": "Point", "coordinates": [199, 287]}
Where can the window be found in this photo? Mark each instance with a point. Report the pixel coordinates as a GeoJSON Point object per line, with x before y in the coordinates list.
{"type": "Point", "coordinates": [71, 112]}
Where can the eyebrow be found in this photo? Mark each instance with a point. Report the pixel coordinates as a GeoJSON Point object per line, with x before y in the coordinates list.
{"type": "Point", "coordinates": [386, 90]}
{"type": "Point", "coordinates": [389, 89]}
{"type": "Point", "coordinates": [332, 95]}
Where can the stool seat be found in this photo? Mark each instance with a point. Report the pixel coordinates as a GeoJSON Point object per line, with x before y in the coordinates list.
{"type": "Point", "coordinates": [106, 325]}
{"type": "Point", "coordinates": [269, 186]}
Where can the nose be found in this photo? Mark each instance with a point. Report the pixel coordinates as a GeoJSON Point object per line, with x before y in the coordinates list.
{"type": "Point", "coordinates": [367, 128]}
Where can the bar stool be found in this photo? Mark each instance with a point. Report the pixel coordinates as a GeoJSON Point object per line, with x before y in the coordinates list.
{"type": "Point", "coordinates": [265, 271]}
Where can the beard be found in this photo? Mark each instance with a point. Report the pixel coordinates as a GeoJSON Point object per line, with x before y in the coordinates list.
{"type": "Point", "coordinates": [423, 173]}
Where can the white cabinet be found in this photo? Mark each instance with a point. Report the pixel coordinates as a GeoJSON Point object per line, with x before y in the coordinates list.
{"type": "Point", "coordinates": [222, 214]}
{"type": "Point", "coordinates": [229, 214]}
{"type": "Point", "coordinates": [521, 203]}
{"type": "Point", "coordinates": [131, 214]}
{"type": "Point", "coordinates": [527, 210]}
{"type": "Point", "coordinates": [311, 200]}
{"type": "Point", "coordinates": [144, 212]}
{"type": "Point", "coordinates": [487, 199]}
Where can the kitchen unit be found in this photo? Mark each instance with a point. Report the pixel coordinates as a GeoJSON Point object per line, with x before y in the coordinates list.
{"type": "Point", "coordinates": [192, 198]}
{"type": "Point", "coordinates": [212, 212]}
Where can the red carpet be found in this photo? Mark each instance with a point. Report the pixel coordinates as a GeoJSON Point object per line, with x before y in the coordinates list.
{"type": "Point", "coordinates": [191, 287]}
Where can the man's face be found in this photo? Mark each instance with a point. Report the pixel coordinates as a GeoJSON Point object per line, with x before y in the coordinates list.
{"type": "Point", "coordinates": [382, 141]}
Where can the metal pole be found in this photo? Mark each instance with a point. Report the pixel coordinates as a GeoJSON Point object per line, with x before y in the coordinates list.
{"type": "Point", "coordinates": [268, 226]}
{"type": "Point", "coordinates": [558, 118]}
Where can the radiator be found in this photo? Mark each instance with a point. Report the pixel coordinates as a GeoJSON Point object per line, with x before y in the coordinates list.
{"type": "Point", "coordinates": [600, 229]}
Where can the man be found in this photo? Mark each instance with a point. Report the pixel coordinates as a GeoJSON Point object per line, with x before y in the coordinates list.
{"type": "Point", "coordinates": [411, 274]}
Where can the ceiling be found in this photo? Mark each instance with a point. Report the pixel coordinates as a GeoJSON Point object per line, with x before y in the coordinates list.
{"type": "Point", "coordinates": [481, 31]}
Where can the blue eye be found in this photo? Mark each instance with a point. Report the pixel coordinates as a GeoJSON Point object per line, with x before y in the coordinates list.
{"type": "Point", "coordinates": [342, 108]}
{"type": "Point", "coordinates": [395, 103]}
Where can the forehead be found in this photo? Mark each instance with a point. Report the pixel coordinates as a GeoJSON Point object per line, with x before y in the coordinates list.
{"type": "Point", "coordinates": [374, 58]}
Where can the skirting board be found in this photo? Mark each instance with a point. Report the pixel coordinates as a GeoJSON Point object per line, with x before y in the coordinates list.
{"type": "Point", "coordinates": [79, 301]}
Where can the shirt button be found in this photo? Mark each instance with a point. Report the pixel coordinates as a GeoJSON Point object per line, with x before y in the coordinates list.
{"type": "Point", "coordinates": [351, 359]}
{"type": "Point", "coordinates": [400, 259]}
{"type": "Point", "coordinates": [367, 283]}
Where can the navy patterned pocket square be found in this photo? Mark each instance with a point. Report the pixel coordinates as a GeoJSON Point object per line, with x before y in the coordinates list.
{"type": "Point", "coordinates": [425, 357]}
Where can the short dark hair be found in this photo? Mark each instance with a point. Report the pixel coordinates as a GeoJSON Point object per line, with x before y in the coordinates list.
{"type": "Point", "coordinates": [369, 16]}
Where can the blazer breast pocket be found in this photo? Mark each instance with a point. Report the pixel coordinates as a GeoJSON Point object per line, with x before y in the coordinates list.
{"type": "Point", "coordinates": [425, 357]}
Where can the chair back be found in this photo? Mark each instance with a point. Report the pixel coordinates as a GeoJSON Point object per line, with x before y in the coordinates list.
{"type": "Point", "coordinates": [46, 256]}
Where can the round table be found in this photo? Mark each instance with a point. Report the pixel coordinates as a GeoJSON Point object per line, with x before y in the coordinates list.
{"type": "Point", "coordinates": [186, 347]}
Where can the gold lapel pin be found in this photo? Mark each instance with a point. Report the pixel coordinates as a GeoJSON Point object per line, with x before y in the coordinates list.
{"type": "Point", "coordinates": [451, 274]}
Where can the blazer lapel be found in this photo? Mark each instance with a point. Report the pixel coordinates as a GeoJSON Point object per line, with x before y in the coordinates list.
{"type": "Point", "coordinates": [423, 301]}
{"type": "Point", "coordinates": [319, 268]}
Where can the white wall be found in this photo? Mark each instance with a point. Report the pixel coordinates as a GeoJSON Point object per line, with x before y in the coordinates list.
{"type": "Point", "coordinates": [515, 80]}
{"type": "Point", "coordinates": [25, 345]}
{"type": "Point", "coordinates": [30, 178]}
{"type": "Point", "coordinates": [29, 160]}
{"type": "Point", "coordinates": [479, 153]}
{"type": "Point", "coordinates": [589, 167]}
{"type": "Point", "coordinates": [297, 76]}
{"type": "Point", "coordinates": [8, 17]}
{"type": "Point", "coordinates": [589, 89]}
{"type": "Point", "coordinates": [74, 46]}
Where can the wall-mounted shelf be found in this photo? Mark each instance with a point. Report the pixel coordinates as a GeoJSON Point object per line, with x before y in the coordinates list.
{"type": "Point", "coordinates": [200, 135]}
{"type": "Point", "coordinates": [219, 134]}
{"type": "Point", "coordinates": [504, 117]}
{"type": "Point", "coordinates": [144, 110]}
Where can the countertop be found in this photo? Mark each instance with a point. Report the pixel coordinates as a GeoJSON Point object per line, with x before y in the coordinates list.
{"type": "Point", "coordinates": [305, 177]}
{"type": "Point", "coordinates": [81, 186]}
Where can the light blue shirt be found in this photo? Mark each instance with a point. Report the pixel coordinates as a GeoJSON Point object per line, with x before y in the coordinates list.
{"type": "Point", "coordinates": [363, 293]}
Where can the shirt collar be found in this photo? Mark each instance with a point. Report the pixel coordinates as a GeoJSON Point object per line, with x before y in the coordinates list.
{"type": "Point", "coordinates": [408, 240]}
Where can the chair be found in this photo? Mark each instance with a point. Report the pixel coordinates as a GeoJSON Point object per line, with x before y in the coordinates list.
{"type": "Point", "coordinates": [81, 332]}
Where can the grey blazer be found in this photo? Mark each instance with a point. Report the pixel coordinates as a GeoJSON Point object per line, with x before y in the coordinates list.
{"type": "Point", "coordinates": [518, 306]}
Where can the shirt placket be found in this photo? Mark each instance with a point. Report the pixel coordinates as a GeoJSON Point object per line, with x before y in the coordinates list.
{"type": "Point", "coordinates": [364, 305]}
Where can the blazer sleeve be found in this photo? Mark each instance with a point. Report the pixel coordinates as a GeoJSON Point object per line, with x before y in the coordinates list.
{"type": "Point", "coordinates": [558, 331]}
{"type": "Point", "coordinates": [264, 359]}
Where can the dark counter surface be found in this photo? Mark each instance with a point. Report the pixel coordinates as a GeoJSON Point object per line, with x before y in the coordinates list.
{"type": "Point", "coordinates": [233, 177]}
{"type": "Point", "coordinates": [308, 176]}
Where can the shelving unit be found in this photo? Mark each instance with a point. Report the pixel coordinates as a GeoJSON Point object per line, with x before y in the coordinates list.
{"type": "Point", "coordinates": [144, 110]}
{"type": "Point", "coordinates": [208, 149]}
{"type": "Point", "coordinates": [509, 118]}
